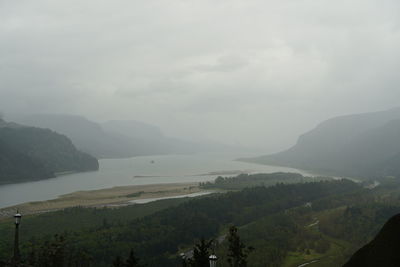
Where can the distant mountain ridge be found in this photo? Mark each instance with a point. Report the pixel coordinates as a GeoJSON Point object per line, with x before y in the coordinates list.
{"type": "Point", "coordinates": [87, 136]}
{"type": "Point", "coordinates": [29, 153]}
{"type": "Point", "coordinates": [116, 138]}
{"type": "Point", "coordinates": [363, 145]}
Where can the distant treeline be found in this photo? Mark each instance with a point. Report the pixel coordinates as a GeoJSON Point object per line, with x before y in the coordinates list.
{"type": "Point", "coordinates": [262, 179]}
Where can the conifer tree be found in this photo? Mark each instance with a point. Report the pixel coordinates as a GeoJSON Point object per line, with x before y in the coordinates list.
{"type": "Point", "coordinates": [118, 262]}
{"type": "Point", "coordinates": [201, 252]}
{"type": "Point", "coordinates": [132, 261]}
{"type": "Point", "coordinates": [237, 251]}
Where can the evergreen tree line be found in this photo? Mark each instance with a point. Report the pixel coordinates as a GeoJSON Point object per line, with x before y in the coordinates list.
{"type": "Point", "coordinates": [56, 253]}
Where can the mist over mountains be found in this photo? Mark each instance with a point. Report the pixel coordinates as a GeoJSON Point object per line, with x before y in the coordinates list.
{"type": "Point", "coordinates": [361, 145]}
{"type": "Point", "coordinates": [117, 138]}
{"type": "Point", "coordinates": [35, 147]}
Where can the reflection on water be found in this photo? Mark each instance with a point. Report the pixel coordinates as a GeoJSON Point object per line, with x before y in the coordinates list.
{"type": "Point", "coordinates": [134, 171]}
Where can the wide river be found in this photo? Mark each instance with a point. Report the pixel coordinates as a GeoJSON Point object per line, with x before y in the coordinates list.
{"type": "Point", "coordinates": [135, 171]}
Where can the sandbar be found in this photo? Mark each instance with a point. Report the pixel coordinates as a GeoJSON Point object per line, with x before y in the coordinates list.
{"type": "Point", "coordinates": [108, 197]}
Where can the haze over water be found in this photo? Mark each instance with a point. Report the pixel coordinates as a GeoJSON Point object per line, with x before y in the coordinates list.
{"type": "Point", "coordinates": [134, 171]}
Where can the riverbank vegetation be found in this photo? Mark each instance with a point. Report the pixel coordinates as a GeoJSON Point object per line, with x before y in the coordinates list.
{"type": "Point", "coordinates": [260, 179]}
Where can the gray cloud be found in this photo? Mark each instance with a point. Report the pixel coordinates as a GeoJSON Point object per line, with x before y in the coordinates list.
{"type": "Point", "coordinates": [223, 64]}
{"type": "Point", "coordinates": [253, 72]}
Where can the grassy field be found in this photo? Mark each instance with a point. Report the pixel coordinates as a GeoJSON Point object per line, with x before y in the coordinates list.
{"type": "Point", "coordinates": [338, 249]}
{"type": "Point", "coordinates": [329, 259]}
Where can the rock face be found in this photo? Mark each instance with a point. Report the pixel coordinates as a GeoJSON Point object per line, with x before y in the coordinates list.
{"type": "Point", "coordinates": [363, 145]}
{"type": "Point", "coordinates": [383, 250]}
{"type": "Point", "coordinates": [29, 153]}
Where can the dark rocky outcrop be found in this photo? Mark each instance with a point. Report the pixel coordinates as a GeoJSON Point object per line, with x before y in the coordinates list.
{"type": "Point", "coordinates": [383, 251]}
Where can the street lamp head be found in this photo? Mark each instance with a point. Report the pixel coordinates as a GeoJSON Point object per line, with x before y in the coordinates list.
{"type": "Point", "coordinates": [213, 260]}
{"type": "Point", "coordinates": [17, 217]}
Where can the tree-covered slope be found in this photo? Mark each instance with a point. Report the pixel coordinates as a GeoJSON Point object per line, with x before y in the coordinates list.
{"type": "Point", "coordinates": [288, 225]}
{"type": "Point", "coordinates": [158, 237]}
{"type": "Point", "coordinates": [28, 153]}
{"type": "Point", "coordinates": [365, 145]}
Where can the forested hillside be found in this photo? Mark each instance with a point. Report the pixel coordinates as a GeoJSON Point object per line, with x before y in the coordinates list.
{"type": "Point", "coordinates": [28, 153]}
{"type": "Point", "coordinates": [286, 224]}
{"type": "Point", "coordinates": [363, 145]}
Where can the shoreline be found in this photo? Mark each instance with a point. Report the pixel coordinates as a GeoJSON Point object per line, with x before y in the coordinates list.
{"type": "Point", "coordinates": [109, 197]}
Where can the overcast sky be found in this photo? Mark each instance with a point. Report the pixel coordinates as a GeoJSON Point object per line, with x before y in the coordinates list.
{"type": "Point", "coordinates": [251, 72]}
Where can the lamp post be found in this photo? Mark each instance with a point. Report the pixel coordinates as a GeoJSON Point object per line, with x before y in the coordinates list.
{"type": "Point", "coordinates": [183, 258]}
{"type": "Point", "coordinates": [17, 217]}
{"type": "Point", "coordinates": [213, 260]}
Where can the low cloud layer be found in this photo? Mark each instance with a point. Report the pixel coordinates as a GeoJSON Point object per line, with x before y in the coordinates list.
{"type": "Point", "coordinates": [253, 73]}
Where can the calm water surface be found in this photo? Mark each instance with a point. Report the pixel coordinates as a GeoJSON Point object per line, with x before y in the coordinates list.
{"type": "Point", "coordinates": [134, 171]}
